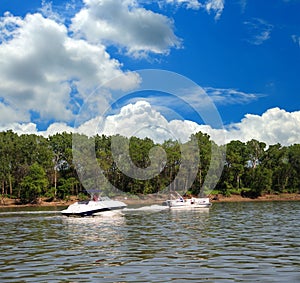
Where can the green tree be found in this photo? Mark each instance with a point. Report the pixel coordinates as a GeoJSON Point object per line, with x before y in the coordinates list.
{"type": "Point", "coordinates": [276, 160]}
{"type": "Point", "coordinates": [205, 157]}
{"type": "Point", "coordinates": [294, 160]}
{"type": "Point", "coordinates": [66, 187]}
{"type": "Point", "coordinates": [255, 151]}
{"type": "Point", "coordinates": [234, 168]}
{"type": "Point", "coordinates": [8, 160]}
{"type": "Point", "coordinates": [34, 184]}
{"type": "Point", "coordinates": [61, 146]}
{"type": "Point", "coordinates": [261, 182]}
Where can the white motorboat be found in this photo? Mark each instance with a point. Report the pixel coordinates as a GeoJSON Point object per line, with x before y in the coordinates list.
{"type": "Point", "coordinates": [177, 202]}
{"type": "Point", "coordinates": [96, 206]}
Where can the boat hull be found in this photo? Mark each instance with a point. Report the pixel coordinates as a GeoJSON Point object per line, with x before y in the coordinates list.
{"type": "Point", "coordinates": [189, 206]}
{"type": "Point", "coordinates": [194, 203]}
{"type": "Point", "coordinates": [92, 208]}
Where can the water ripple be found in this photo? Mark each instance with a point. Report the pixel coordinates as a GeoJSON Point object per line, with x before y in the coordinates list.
{"type": "Point", "coordinates": [232, 242]}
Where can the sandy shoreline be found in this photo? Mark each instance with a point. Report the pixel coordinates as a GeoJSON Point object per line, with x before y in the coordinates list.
{"type": "Point", "coordinates": [153, 199]}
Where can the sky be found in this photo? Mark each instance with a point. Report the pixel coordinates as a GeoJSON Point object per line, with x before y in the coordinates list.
{"type": "Point", "coordinates": [229, 68]}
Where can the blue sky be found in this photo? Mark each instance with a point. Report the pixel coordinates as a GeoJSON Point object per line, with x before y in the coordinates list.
{"type": "Point", "coordinates": [244, 54]}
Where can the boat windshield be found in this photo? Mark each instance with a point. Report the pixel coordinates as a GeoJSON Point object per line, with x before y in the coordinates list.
{"type": "Point", "coordinates": [83, 202]}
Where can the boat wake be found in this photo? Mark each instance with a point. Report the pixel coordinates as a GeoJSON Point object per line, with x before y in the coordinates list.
{"type": "Point", "coordinates": [28, 212]}
{"type": "Point", "coordinates": [153, 207]}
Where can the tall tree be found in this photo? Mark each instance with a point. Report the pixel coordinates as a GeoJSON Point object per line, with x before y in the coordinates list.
{"type": "Point", "coordinates": [235, 165]}
{"type": "Point", "coordinates": [34, 184]}
{"type": "Point", "coordinates": [256, 151]}
{"type": "Point", "coordinates": [8, 160]}
{"type": "Point", "coordinates": [205, 158]}
{"type": "Point", "coordinates": [294, 160]}
{"type": "Point", "coordinates": [61, 145]}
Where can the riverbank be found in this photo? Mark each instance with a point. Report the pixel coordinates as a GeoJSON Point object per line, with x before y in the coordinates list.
{"type": "Point", "coordinates": [269, 197]}
{"type": "Point", "coordinates": [152, 199]}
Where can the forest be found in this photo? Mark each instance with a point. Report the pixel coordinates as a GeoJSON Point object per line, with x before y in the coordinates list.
{"type": "Point", "coordinates": [33, 166]}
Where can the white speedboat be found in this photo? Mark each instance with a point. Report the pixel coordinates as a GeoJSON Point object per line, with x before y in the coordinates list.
{"type": "Point", "coordinates": [179, 202]}
{"type": "Point", "coordinates": [96, 206]}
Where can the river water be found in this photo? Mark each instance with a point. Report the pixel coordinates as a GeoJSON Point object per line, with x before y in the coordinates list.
{"type": "Point", "coordinates": [230, 242]}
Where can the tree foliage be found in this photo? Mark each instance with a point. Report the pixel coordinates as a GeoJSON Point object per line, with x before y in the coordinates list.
{"type": "Point", "coordinates": [33, 166]}
{"type": "Point", "coordinates": [34, 184]}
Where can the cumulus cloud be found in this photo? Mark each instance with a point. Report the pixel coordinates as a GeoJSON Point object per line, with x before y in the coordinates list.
{"type": "Point", "coordinates": [142, 120]}
{"type": "Point", "coordinates": [57, 128]}
{"type": "Point", "coordinates": [138, 119]}
{"type": "Point", "coordinates": [8, 26]}
{"type": "Point", "coordinates": [274, 126]}
{"type": "Point", "coordinates": [46, 73]}
{"type": "Point", "coordinates": [9, 114]}
{"type": "Point", "coordinates": [40, 67]}
{"type": "Point", "coordinates": [125, 24]}
{"type": "Point", "coordinates": [259, 31]}
{"type": "Point", "coordinates": [21, 128]}
{"type": "Point", "coordinates": [195, 101]}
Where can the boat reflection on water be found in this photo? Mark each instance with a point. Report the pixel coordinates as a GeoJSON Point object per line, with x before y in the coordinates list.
{"type": "Point", "coordinates": [189, 220]}
{"type": "Point", "coordinates": [114, 218]}
{"type": "Point", "coordinates": [203, 210]}
{"type": "Point", "coordinates": [107, 227]}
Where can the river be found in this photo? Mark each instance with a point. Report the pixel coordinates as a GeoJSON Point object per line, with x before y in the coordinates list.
{"type": "Point", "coordinates": [230, 242]}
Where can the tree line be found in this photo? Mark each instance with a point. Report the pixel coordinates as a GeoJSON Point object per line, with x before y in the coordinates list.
{"type": "Point", "coordinates": [33, 166]}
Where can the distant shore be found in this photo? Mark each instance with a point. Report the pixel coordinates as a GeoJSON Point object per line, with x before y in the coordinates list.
{"type": "Point", "coordinates": [268, 197]}
{"type": "Point", "coordinates": [152, 199]}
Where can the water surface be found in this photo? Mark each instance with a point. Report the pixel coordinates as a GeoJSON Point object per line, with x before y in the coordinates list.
{"type": "Point", "coordinates": [230, 242]}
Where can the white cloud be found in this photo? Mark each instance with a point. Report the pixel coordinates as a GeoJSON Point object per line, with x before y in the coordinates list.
{"type": "Point", "coordinates": [216, 6]}
{"type": "Point", "coordinates": [194, 101]}
{"type": "Point", "coordinates": [296, 39]}
{"type": "Point", "coordinates": [259, 31]}
{"type": "Point", "coordinates": [189, 4]}
{"type": "Point", "coordinates": [40, 63]}
{"type": "Point", "coordinates": [125, 24]}
{"type": "Point", "coordinates": [274, 126]}
{"type": "Point", "coordinates": [9, 114]}
{"type": "Point", "coordinates": [31, 128]}
{"type": "Point", "coordinates": [230, 96]}
{"type": "Point", "coordinates": [47, 11]}
{"type": "Point", "coordinates": [137, 120]}
{"type": "Point", "coordinates": [21, 128]}
{"type": "Point", "coordinates": [57, 128]}
{"type": "Point", "coordinates": [200, 99]}
{"type": "Point", "coordinates": [8, 26]}
{"type": "Point", "coordinates": [210, 6]}
{"type": "Point", "coordinates": [243, 4]}
{"type": "Point", "coordinates": [142, 120]}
